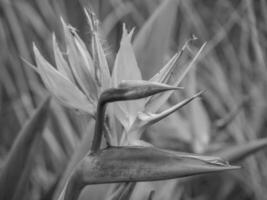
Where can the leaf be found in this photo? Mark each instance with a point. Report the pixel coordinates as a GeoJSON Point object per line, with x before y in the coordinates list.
{"type": "Point", "coordinates": [80, 62]}
{"type": "Point", "coordinates": [80, 152]}
{"type": "Point", "coordinates": [122, 164]}
{"type": "Point", "coordinates": [130, 90]}
{"type": "Point", "coordinates": [126, 68]}
{"type": "Point", "coordinates": [18, 157]}
{"type": "Point", "coordinates": [229, 118]}
{"type": "Point", "coordinates": [155, 103]}
{"type": "Point", "coordinates": [145, 120]}
{"type": "Point", "coordinates": [60, 86]}
{"type": "Point", "coordinates": [152, 41]}
{"type": "Point", "coordinates": [241, 151]}
{"type": "Point", "coordinates": [26, 173]}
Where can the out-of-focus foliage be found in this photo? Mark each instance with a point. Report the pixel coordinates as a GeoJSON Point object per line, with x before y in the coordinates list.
{"type": "Point", "coordinates": [232, 68]}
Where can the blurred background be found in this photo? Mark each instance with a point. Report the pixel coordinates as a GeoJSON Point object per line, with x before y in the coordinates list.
{"type": "Point", "coordinates": [232, 68]}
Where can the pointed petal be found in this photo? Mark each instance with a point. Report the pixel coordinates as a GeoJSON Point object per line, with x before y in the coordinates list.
{"type": "Point", "coordinates": [122, 164]}
{"type": "Point", "coordinates": [158, 101]}
{"type": "Point", "coordinates": [60, 86]}
{"type": "Point", "coordinates": [62, 66]}
{"type": "Point", "coordinates": [80, 63]}
{"type": "Point", "coordinates": [131, 90]}
{"type": "Point", "coordinates": [191, 64]}
{"type": "Point", "coordinates": [241, 151]}
{"type": "Point", "coordinates": [16, 162]}
{"type": "Point", "coordinates": [166, 70]}
{"type": "Point", "coordinates": [82, 49]}
{"type": "Point", "coordinates": [153, 40]}
{"type": "Point", "coordinates": [164, 75]}
{"type": "Point", "coordinates": [126, 68]}
{"type": "Point", "coordinates": [121, 114]}
{"type": "Point", "coordinates": [145, 120]}
{"type": "Point", "coordinates": [103, 73]}
{"type": "Point", "coordinates": [158, 117]}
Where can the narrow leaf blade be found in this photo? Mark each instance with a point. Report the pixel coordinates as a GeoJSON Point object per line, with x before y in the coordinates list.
{"type": "Point", "coordinates": [239, 152]}
{"type": "Point", "coordinates": [152, 41]}
{"type": "Point", "coordinates": [82, 150]}
{"type": "Point", "coordinates": [19, 154]}
{"type": "Point", "coordinates": [200, 122]}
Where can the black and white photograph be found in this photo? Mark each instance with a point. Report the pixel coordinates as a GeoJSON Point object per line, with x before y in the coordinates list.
{"type": "Point", "coordinates": [133, 99]}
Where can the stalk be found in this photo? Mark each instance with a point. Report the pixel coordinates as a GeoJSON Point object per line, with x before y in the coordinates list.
{"type": "Point", "coordinates": [100, 118]}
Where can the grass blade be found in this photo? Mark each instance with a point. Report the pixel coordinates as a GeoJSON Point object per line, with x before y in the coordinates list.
{"type": "Point", "coordinates": [199, 119]}
{"type": "Point", "coordinates": [152, 41]}
{"type": "Point", "coordinates": [26, 173]}
{"type": "Point", "coordinates": [80, 152]}
{"type": "Point", "coordinates": [19, 154]}
{"type": "Point", "coordinates": [239, 152]}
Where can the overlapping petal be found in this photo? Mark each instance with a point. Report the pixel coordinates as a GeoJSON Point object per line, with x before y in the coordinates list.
{"type": "Point", "coordinates": [62, 65]}
{"type": "Point", "coordinates": [80, 63]}
{"type": "Point", "coordinates": [60, 86]}
{"type": "Point", "coordinates": [126, 68]}
{"type": "Point", "coordinates": [102, 69]}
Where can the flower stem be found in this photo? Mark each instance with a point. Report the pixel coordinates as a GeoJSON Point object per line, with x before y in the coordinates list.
{"type": "Point", "coordinates": [100, 118]}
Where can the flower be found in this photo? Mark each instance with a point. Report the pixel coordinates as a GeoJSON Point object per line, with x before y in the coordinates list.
{"type": "Point", "coordinates": [81, 76]}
